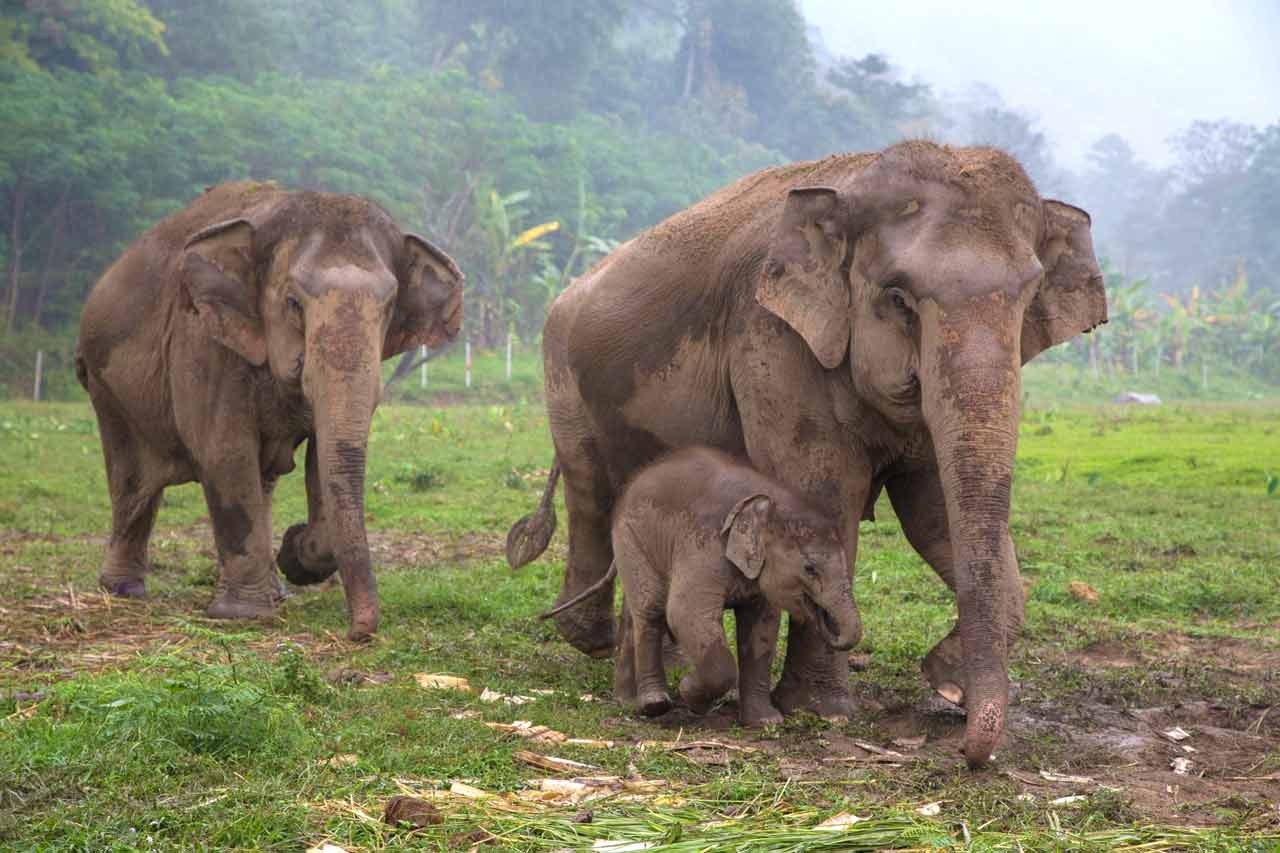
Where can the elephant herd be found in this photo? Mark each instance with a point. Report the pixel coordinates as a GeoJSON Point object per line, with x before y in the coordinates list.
{"type": "Point", "coordinates": [728, 394]}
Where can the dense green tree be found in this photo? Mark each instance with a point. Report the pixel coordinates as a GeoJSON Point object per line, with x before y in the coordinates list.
{"type": "Point", "coordinates": [601, 115]}
{"type": "Point", "coordinates": [99, 36]}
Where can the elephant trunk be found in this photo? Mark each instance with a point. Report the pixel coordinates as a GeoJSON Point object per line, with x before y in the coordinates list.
{"type": "Point", "coordinates": [342, 380]}
{"type": "Point", "coordinates": [840, 622]}
{"type": "Point", "coordinates": [970, 389]}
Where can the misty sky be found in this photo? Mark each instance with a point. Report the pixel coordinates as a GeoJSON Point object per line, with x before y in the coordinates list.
{"type": "Point", "coordinates": [1140, 68]}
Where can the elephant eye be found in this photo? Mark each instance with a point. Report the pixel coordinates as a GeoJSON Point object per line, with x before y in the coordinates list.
{"type": "Point", "coordinates": [293, 304]}
{"type": "Point", "coordinates": [811, 570]}
{"type": "Point", "coordinates": [899, 299]}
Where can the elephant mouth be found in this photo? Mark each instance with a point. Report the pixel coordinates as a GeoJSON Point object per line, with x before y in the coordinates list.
{"type": "Point", "coordinates": [821, 617]}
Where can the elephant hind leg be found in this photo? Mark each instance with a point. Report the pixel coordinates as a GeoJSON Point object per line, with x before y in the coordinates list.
{"type": "Point", "coordinates": [135, 501]}
{"type": "Point", "coordinates": [132, 519]}
{"type": "Point", "coordinates": [588, 627]}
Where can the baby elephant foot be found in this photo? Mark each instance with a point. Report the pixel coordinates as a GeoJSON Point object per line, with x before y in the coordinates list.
{"type": "Point", "coordinates": [654, 703]}
{"type": "Point", "coordinates": [700, 695]}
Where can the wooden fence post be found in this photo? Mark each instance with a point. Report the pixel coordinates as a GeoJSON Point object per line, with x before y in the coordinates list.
{"type": "Point", "coordinates": [35, 392]}
{"type": "Point", "coordinates": [422, 381]}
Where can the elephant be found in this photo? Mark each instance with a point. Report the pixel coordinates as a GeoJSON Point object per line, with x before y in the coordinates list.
{"type": "Point", "coordinates": [849, 325]}
{"type": "Point", "coordinates": [695, 533]}
{"type": "Point", "coordinates": [253, 319]}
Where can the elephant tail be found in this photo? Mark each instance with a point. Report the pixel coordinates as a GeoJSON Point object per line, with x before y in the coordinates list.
{"type": "Point", "coordinates": [586, 593]}
{"type": "Point", "coordinates": [82, 369]}
{"type": "Point", "coordinates": [530, 536]}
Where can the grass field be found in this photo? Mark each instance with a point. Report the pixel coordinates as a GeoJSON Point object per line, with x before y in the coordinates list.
{"type": "Point", "coordinates": [1148, 537]}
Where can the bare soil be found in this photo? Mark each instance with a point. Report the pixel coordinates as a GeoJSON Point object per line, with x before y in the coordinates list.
{"type": "Point", "coordinates": [1083, 744]}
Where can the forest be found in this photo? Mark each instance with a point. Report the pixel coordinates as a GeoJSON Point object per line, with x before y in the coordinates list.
{"type": "Point", "coordinates": [529, 139]}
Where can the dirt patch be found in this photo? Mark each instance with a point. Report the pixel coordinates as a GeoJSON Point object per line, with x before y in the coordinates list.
{"type": "Point", "coordinates": [1200, 758]}
{"type": "Point", "coordinates": [396, 549]}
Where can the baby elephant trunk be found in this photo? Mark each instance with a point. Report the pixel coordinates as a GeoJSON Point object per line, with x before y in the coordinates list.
{"type": "Point", "coordinates": [838, 619]}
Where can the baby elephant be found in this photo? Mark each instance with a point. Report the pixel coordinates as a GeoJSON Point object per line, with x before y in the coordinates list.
{"type": "Point", "coordinates": [698, 532]}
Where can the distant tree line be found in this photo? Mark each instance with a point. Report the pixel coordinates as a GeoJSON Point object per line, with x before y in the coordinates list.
{"type": "Point", "coordinates": [527, 138]}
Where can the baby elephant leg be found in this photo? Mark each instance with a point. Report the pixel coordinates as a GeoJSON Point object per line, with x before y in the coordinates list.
{"type": "Point", "coordinates": [651, 676]}
{"type": "Point", "coordinates": [624, 668]}
{"type": "Point", "coordinates": [698, 626]}
{"type": "Point", "coordinates": [757, 628]}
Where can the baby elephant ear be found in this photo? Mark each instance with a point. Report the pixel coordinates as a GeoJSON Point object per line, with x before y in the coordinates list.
{"type": "Point", "coordinates": [746, 524]}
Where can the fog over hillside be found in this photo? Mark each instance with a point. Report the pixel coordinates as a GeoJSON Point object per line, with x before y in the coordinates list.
{"type": "Point", "coordinates": [1142, 69]}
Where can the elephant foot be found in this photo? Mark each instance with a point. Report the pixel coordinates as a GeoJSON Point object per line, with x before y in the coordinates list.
{"type": "Point", "coordinates": [831, 702]}
{"type": "Point", "coordinates": [362, 631]}
{"type": "Point", "coordinates": [228, 605]}
{"type": "Point", "coordinates": [759, 714]}
{"type": "Point", "coordinates": [699, 695]}
{"type": "Point", "coordinates": [124, 587]}
{"type": "Point", "coordinates": [944, 669]}
{"type": "Point", "coordinates": [123, 578]}
{"type": "Point", "coordinates": [654, 703]}
{"type": "Point", "coordinates": [301, 561]}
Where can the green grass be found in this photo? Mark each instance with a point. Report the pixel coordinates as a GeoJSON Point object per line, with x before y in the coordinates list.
{"type": "Point", "coordinates": [150, 722]}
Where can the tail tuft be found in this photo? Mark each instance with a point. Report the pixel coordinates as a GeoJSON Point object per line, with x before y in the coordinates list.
{"type": "Point", "coordinates": [529, 536]}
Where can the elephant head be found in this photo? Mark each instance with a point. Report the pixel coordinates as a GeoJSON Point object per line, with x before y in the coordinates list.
{"type": "Point", "coordinates": [800, 563]}
{"type": "Point", "coordinates": [318, 289]}
{"type": "Point", "coordinates": [932, 275]}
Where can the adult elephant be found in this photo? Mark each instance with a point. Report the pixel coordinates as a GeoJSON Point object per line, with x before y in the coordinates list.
{"type": "Point", "coordinates": [226, 335]}
{"type": "Point", "coordinates": [848, 324]}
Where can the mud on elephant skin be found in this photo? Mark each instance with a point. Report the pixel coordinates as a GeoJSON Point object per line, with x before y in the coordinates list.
{"type": "Point", "coordinates": [231, 332]}
{"type": "Point", "coordinates": [699, 532]}
{"type": "Point", "coordinates": [850, 324]}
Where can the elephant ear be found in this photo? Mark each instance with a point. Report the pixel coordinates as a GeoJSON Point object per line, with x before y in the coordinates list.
{"type": "Point", "coordinates": [803, 283]}
{"type": "Point", "coordinates": [1072, 299]}
{"type": "Point", "coordinates": [217, 273]}
{"type": "Point", "coordinates": [747, 525]}
{"type": "Point", "coordinates": [429, 303]}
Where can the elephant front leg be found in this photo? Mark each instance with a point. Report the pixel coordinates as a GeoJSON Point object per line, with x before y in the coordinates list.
{"type": "Point", "coordinates": [240, 511]}
{"type": "Point", "coordinates": [306, 554]}
{"type": "Point", "coordinates": [815, 677]}
{"type": "Point", "coordinates": [921, 508]}
{"type": "Point", "coordinates": [696, 617]}
{"type": "Point", "coordinates": [134, 504]}
{"type": "Point", "coordinates": [794, 436]}
{"type": "Point", "coordinates": [757, 628]}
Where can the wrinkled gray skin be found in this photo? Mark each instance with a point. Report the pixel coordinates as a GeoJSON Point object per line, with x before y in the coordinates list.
{"type": "Point", "coordinates": [696, 533]}
{"type": "Point", "coordinates": [228, 334]}
{"type": "Point", "coordinates": [848, 324]}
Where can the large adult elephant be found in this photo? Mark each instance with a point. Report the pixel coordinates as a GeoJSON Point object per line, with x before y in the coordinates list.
{"type": "Point", "coordinates": [848, 324]}
{"type": "Point", "coordinates": [226, 335]}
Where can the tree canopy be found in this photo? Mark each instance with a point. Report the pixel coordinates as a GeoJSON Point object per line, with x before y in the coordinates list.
{"type": "Point", "coordinates": [475, 121]}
